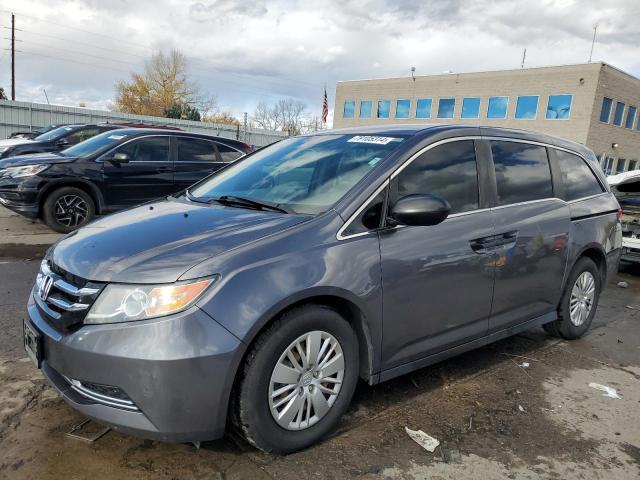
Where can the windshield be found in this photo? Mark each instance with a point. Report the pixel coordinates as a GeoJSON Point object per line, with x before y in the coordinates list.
{"type": "Point", "coordinates": [54, 134]}
{"type": "Point", "coordinates": [98, 143]}
{"type": "Point", "coordinates": [305, 174]}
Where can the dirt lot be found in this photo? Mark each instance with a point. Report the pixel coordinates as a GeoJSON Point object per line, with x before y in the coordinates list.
{"type": "Point", "coordinates": [495, 418]}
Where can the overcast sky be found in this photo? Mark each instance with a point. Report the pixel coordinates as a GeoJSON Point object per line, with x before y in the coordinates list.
{"type": "Point", "coordinates": [244, 51]}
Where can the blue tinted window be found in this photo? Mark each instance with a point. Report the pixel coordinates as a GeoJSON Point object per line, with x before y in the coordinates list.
{"type": "Point", "coordinates": [365, 109]}
{"type": "Point", "coordinates": [631, 116]}
{"type": "Point", "coordinates": [605, 113]}
{"type": "Point", "coordinates": [527, 107]}
{"type": "Point", "coordinates": [349, 109]}
{"type": "Point", "coordinates": [617, 116]}
{"type": "Point", "coordinates": [383, 108]}
{"type": "Point", "coordinates": [497, 107]}
{"type": "Point", "coordinates": [446, 107]}
{"type": "Point", "coordinates": [423, 108]}
{"type": "Point", "coordinates": [559, 107]}
{"type": "Point", "coordinates": [402, 108]}
{"type": "Point", "coordinates": [470, 108]}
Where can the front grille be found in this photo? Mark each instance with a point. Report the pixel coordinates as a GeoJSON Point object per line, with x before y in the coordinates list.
{"type": "Point", "coordinates": [103, 394]}
{"type": "Point", "coordinates": [65, 299]}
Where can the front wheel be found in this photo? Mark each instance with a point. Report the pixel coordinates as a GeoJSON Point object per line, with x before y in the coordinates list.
{"type": "Point", "coordinates": [579, 301]}
{"type": "Point", "coordinates": [298, 380]}
{"type": "Point", "coordinates": [67, 209]}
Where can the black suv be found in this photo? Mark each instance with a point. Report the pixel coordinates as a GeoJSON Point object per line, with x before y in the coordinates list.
{"type": "Point", "coordinates": [53, 140]}
{"type": "Point", "coordinates": [109, 172]}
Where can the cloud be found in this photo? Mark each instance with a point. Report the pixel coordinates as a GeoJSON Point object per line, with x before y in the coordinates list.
{"type": "Point", "coordinates": [244, 51]}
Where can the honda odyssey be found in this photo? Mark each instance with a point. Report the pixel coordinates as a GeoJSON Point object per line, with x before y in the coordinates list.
{"type": "Point", "coordinates": [262, 294]}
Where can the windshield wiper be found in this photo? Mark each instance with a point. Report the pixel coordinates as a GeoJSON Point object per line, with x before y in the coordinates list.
{"type": "Point", "coordinates": [249, 202]}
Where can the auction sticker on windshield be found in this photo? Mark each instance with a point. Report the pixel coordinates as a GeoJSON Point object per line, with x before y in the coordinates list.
{"type": "Point", "coordinates": [373, 139]}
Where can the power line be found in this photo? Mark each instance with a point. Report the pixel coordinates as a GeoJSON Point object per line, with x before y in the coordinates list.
{"type": "Point", "coordinates": [77, 52]}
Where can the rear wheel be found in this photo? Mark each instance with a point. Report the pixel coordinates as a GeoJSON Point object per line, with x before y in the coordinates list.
{"type": "Point", "coordinates": [579, 301]}
{"type": "Point", "coordinates": [298, 380]}
{"type": "Point", "coordinates": [67, 209]}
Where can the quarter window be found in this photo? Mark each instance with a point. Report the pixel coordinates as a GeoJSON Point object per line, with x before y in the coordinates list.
{"type": "Point", "coordinates": [497, 107]}
{"type": "Point", "coordinates": [559, 107]}
{"type": "Point", "coordinates": [147, 149]}
{"type": "Point", "coordinates": [365, 109]}
{"type": "Point", "coordinates": [605, 112]}
{"type": "Point", "coordinates": [423, 108]}
{"type": "Point", "coordinates": [527, 107]}
{"type": "Point", "coordinates": [470, 108]}
{"type": "Point", "coordinates": [446, 107]}
{"type": "Point", "coordinates": [522, 172]}
{"type": "Point", "coordinates": [577, 178]}
{"type": "Point", "coordinates": [631, 116]}
{"type": "Point", "coordinates": [448, 171]}
{"type": "Point", "coordinates": [228, 154]}
{"type": "Point", "coordinates": [617, 116]}
{"type": "Point", "coordinates": [369, 219]}
{"type": "Point", "coordinates": [349, 108]}
{"type": "Point", "coordinates": [402, 108]}
{"type": "Point", "coordinates": [195, 150]}
{"type": "Point", "coordinates": [383, 108]}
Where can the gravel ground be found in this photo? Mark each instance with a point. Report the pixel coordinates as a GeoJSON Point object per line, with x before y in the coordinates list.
{"type": "Point", "coordinates": [494, 418]}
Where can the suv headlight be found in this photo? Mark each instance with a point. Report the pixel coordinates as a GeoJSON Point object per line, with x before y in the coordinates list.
{"type": "Point", "coordinates": [126, 303]}
{"type": "Point", "coordinates": [24, 171]}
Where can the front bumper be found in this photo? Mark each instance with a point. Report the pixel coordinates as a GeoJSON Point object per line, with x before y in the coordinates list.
{"type": "Point", "coordinates": [20, 195]}
{"type": "Point", "coordinates": [178, 371]}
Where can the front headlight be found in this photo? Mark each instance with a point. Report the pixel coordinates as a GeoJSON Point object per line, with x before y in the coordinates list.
{"type": "Point", "coordinates": [24, 171]}
{"type": "Point", "coordinates": [126, 303]}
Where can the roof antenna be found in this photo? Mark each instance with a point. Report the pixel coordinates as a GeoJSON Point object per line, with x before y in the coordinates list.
{"type": "Point", "coordinates": [593, 41]}
{"type": "Point", "coordinates": [524, 55]}
{"type": "Point", "coordinates": [413, 71]}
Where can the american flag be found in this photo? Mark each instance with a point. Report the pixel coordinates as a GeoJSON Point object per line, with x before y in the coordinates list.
{"type": "Point", "coordinates": [325, 107]}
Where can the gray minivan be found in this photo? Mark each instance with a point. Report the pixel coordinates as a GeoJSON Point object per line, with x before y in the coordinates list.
{"type": "Point", "coordinates": [264, 292]}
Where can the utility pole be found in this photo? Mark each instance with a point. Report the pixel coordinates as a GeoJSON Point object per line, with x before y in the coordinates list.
{"type": "Point", "coordinates": [524, 55]}
{"type": "Point", "coordinates": [245, 121]}
{"type": "Point", "coordinates": [13, 57]}
{"type": "Point", "coordinates": [593, 41]}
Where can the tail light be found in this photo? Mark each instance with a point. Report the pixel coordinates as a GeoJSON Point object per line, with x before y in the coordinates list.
{"type": "Point", "coordinates": [246, 147]}
{"type": "Point", "coordinates": [619, 213]}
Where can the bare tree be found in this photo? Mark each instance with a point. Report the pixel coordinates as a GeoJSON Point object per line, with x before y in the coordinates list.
{"type": "Point", "coordinates": [164, 83]}
{"type": "Point", "coordinates": [286, 115]}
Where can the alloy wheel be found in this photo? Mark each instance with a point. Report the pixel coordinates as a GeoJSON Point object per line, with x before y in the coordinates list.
{"type": "Point", "coordinates": [306, 380]}
{"type": "Point", "coordinates": [582, 297]}
{"type": "Point", "coordinates": [71, 210]}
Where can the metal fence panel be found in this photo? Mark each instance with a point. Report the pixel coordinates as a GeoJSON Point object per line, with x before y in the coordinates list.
{"type": "Point", "coordinates": [20, 116]}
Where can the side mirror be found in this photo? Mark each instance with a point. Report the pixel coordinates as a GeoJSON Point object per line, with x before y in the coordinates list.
{"type": "Point", "coordinates": [420, 210]}
{"type": "Point", "coordinates": [63, 142]}
{"type": "Point", "coordinates": [120, 157]}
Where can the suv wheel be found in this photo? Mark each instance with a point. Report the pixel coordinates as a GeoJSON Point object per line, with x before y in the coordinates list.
{"type": "Point", "coordinates": [579, 301]}
{"type": "Point", "coordinates": [67, 209]}
{"type": "Point", "coordinates": [298, 380]}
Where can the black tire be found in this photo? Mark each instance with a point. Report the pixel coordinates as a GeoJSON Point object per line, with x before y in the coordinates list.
{"type": "Point", "coordinates": [80, 212]}
{"type": "Point", "coordinates": [563, 327]}
{"type": "Point", "coordinates": [252, 416]}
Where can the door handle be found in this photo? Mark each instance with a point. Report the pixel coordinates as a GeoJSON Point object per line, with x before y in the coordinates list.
{"type": "Point", "coordinates": [164, 169]}
{"type": "Point", "coordinates": [482, 245]}
{"type": "Point", "coordinates": [506, 238]}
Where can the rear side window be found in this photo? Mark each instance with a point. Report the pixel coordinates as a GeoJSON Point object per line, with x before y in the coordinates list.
{"type": "Point", "coordinates": [578, 179]}
{"type": "Point", "coordinates": [448, 171]}
{"type": "Point", "coordinates": [522, 172]}
{"type": "Point", "coordinates": [147, 149]}
{"type": "Point", "coordinates": [195, 150]}
{"type": "Point", "coordinates": [228, 154]}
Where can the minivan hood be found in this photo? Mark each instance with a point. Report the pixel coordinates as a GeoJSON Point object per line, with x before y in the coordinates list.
{"type": "Point", "coordinates": [35, 159]}
{"type": "Point", "coordinates": [158, 242]}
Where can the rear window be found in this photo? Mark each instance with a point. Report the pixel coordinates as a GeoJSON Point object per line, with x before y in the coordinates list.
{"type": "Point", "coordinates": [578, 179]}
{"type": "Point", "coordinates": [522, 172]}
